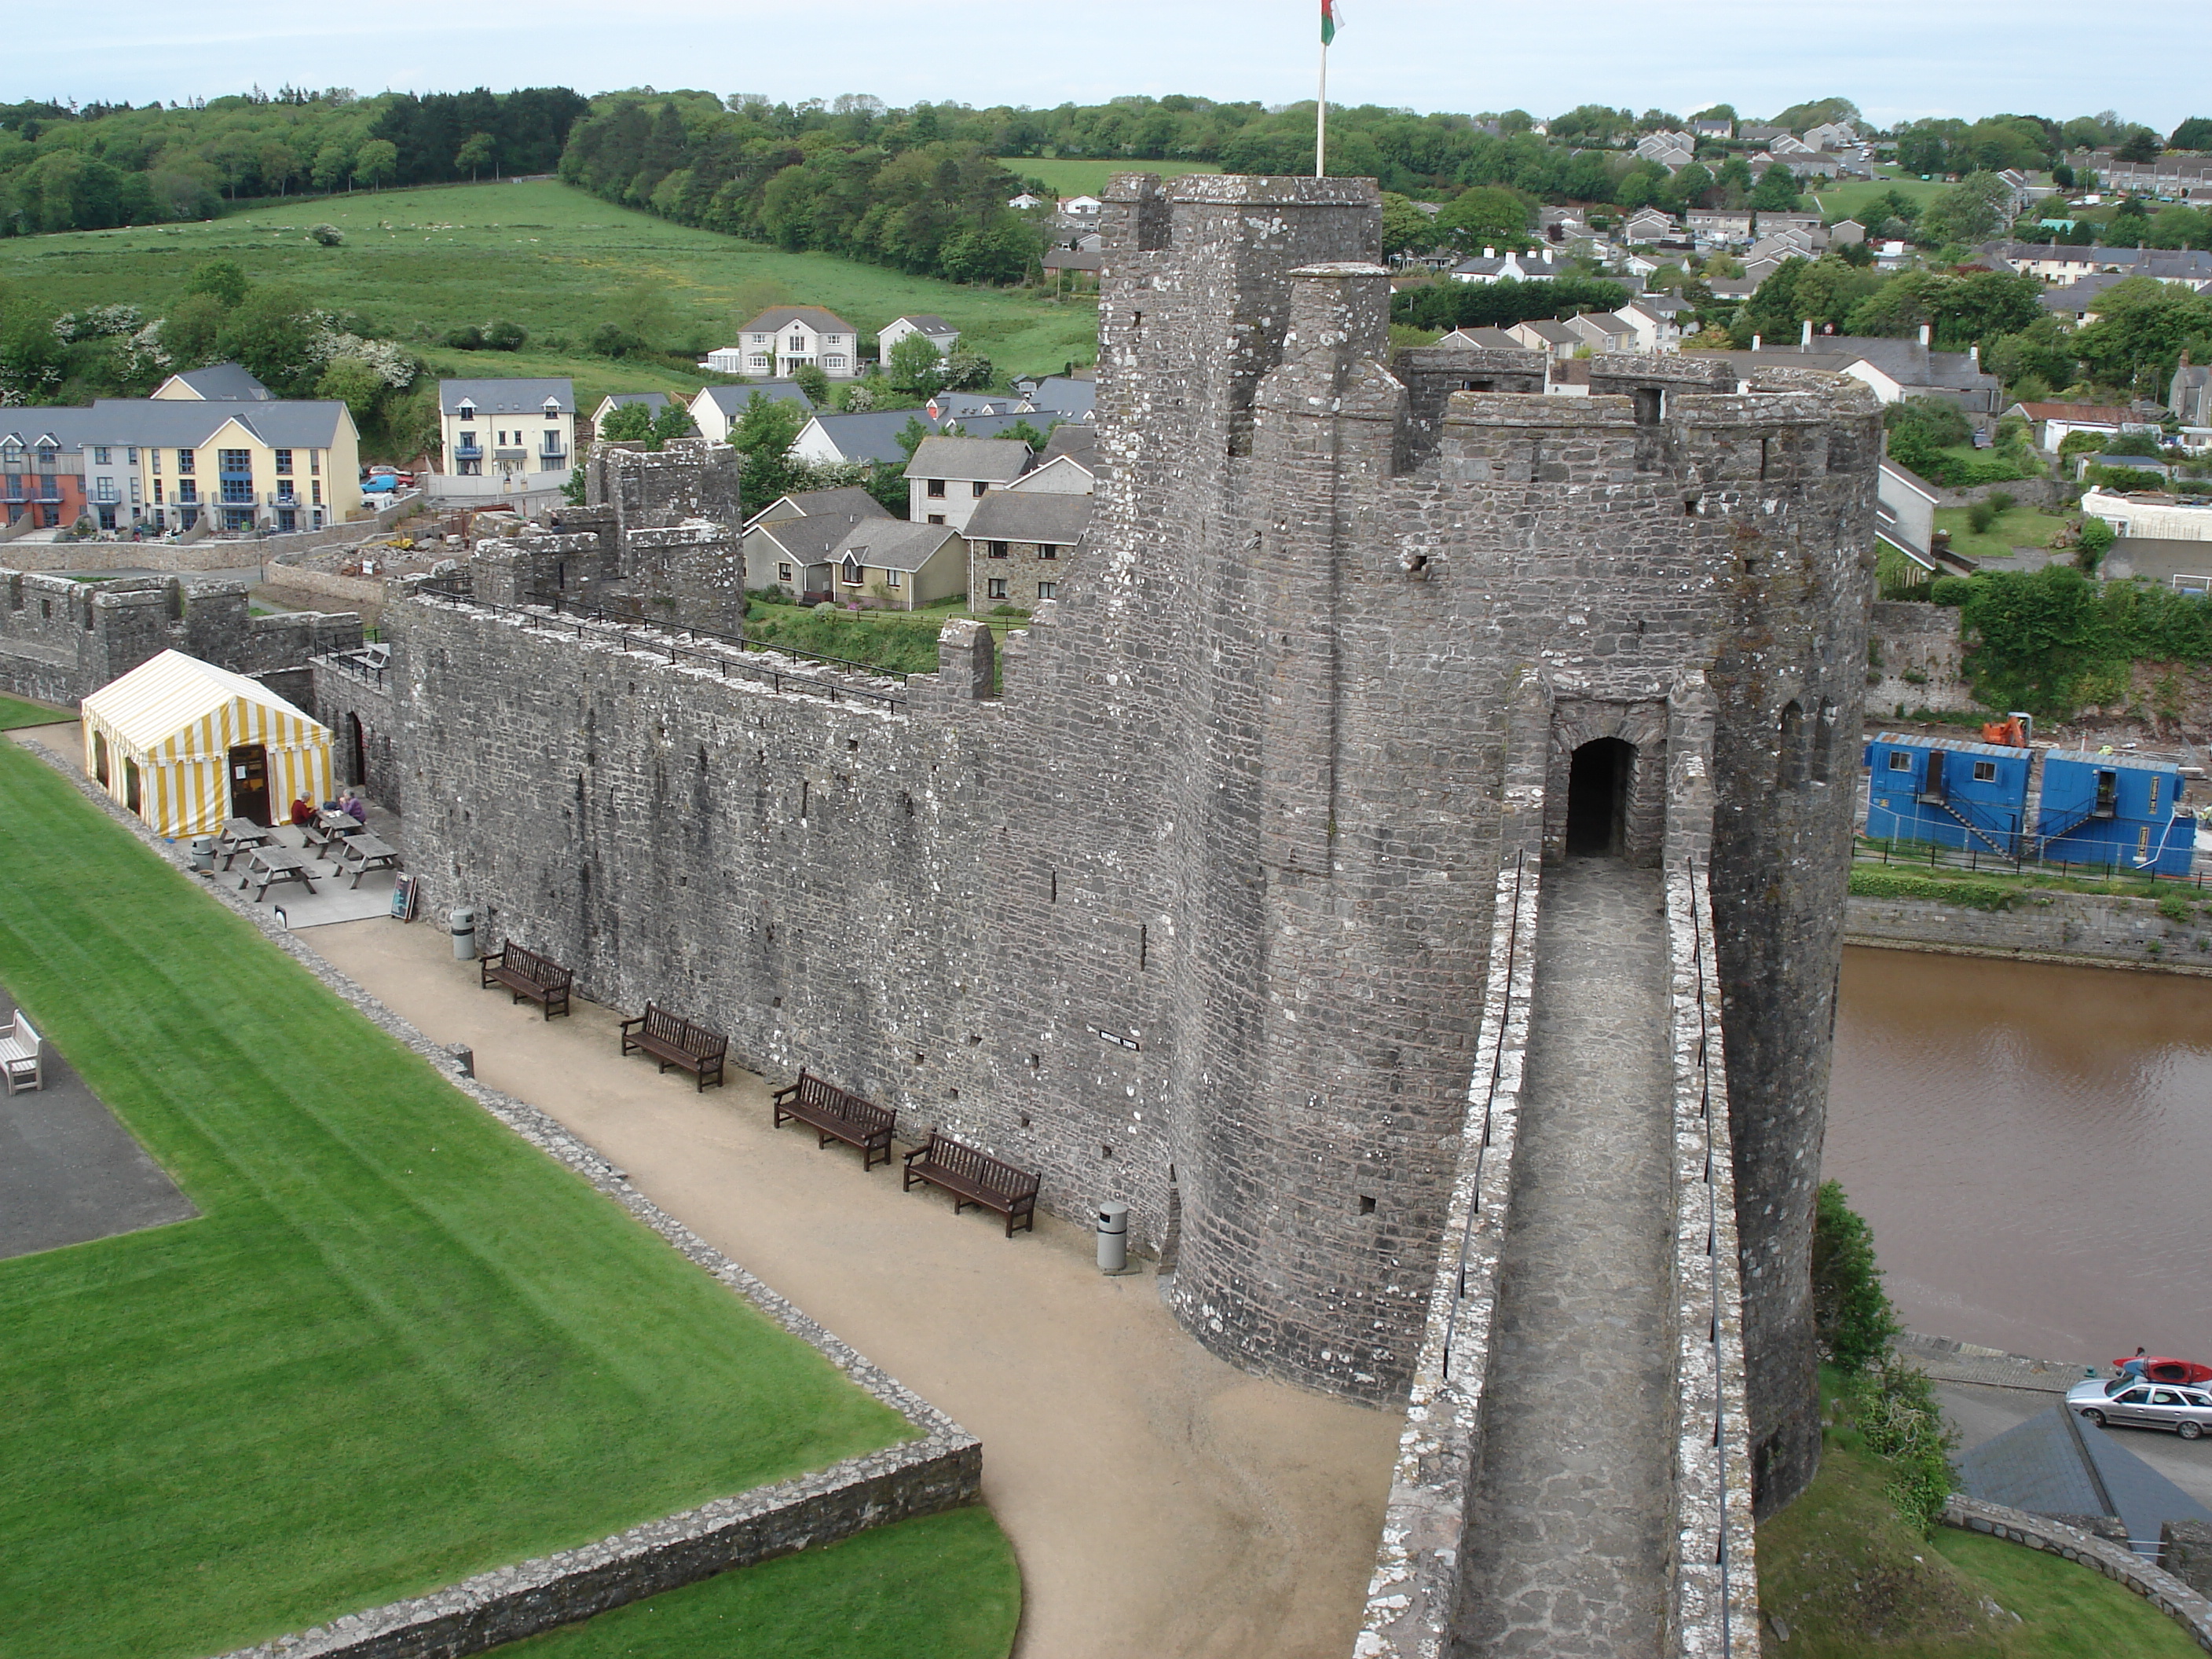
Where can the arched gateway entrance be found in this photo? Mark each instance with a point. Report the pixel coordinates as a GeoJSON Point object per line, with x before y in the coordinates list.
{"type": "Point", "coordinates": [1597, 798]}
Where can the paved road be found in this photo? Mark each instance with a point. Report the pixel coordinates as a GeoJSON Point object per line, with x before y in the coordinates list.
{"type": "Point", "coordinates": [1982, 1414]}
{"type": "Point", "coordinates": [1569, 1537]}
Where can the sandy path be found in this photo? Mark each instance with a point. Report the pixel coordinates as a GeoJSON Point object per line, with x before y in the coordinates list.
{"type": "Point", "coordinates": [1161, 1502]}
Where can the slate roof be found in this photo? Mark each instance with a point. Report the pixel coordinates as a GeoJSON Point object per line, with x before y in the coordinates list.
{"type": "Point", "coordinates": [894, 545]}
{"type": "Point", "coordinates": [821, 321]}
{"type": "Point", "coordinates": [849, 502]}
{"type": "Point", "coordinates": [993, 460]}
{"type": "Point", "coordinates": [655, 401]}
{"type": "Point", "coordinates": [1486, 339]}
{"type": "Point", "coordinates": [1057, 394]}
{"type": "Point", "coordinates": [1013, 515]}
{"type": "Point", "coordinates": [809, 540]}
{"type": "Point", "coordinates": [1545, 328]}
{"type": "Point", "coordinates": [225, 383]}
{"type": "Point", "coordinates": [177, 422]}
{"type": "Point", "coordinates": [1075, 440]}
{"type": "Point", "coordinates": [928, 322]}
{"type": "Point", "coordinates": [515, 396]}
{"type": "Point", "coordinates": [733, 400]}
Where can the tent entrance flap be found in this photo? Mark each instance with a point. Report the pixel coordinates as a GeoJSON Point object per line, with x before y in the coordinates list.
{"type": "Point", "coordinates": [249, 783]}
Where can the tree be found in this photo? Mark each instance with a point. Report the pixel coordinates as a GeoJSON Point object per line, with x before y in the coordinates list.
{"type": "Point", "coordinates": [377, 161]}
{"type": "Point", "coordinates": [2194, 133]}
{"type": "Point", "coordinates": [911, 434]}
{"type": "Point", "coordinates": [475, 154]}
{"type": "Point", "coordinates": [1028, 434]}
{"type": "Point", "coordinates": [224, 279]}
{"type": "Point", "coordinates": [915, 365]}
{"type": "Point", "coordinates": [1851, 1315]}
{"type": "Point", "coordinates": [190, 329]}
{"type": "Point", "coordinates": [629, 424]}
{"type": "Point", "coordinates": [2141, 146]}
{"type": "Point", "coordinates": [967, 370]}
{"type": "Point", "coordinates": [1777, 191]}
{"type": "Point", "coordinates": [1406, 228]}
{"type": "Point", "coordinates": [1485, 216]}
{"type": "Point", "coordinates": [333, 166]}
{"type": "Point", "coordinates": [810, 379]}
{"type": "Point", "coordinates": [273, 336]}
{"type": "Point", "coordinates": [32, 357]}
{"type": "Point", "coordinates": [609, 341]}
{"type": "Point", "coordinates": [1972, 210]}
{"type": "Point", "coordinates": [354, 384]}
{"type": "Point", "coordinates": [503, 336]}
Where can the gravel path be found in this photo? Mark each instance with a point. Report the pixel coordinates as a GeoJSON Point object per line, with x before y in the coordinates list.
{"type": "Point", "coordinates": [1567, 1545]}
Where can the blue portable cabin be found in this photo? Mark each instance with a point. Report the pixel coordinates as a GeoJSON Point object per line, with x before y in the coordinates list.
{"type": "Point", "coordinates": [2117, 809]}
{"type": "Point", "coordinates": [1973, 796]}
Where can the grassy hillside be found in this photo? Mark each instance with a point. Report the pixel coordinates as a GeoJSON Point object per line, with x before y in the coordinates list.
{"type": "Point", "coordinates": [1074, 176]}
{"type": "Point", "coordinates": [1841, 200]}
{"type": "Point", "coordinates": [554, 259]}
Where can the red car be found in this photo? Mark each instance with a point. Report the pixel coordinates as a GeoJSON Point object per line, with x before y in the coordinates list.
{"type": "Point", "coordinates": [2160, 1369]}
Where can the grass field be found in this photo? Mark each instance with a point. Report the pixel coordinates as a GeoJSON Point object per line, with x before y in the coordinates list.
{"type": "Point", "coordinates": [400, 1347]}
{"type": "Point", "coordinates": [549, 258]}
{"type": "Point", "coordinates": [1852, 1580]}
{"type": "Point", "coordinates": [1842, 200]}
{"type": "Point", "coordinates": [1073, 176]}
{"type": "Point", "coordinates": [14, 712]}
{"type": "Point", "coordinates": [2019, 526]}
{"type": "Point", "coordinates": [943, 1586]}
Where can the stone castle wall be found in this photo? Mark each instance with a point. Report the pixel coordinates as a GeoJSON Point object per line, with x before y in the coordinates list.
{"type": "Point", "coordinates": [1196, 914]}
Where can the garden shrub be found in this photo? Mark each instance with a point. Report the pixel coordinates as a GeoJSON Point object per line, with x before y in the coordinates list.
{"type": "Point", "coordinates": [1851, 1315]}
{"type": "Point", "coordinates": [1881, 881]}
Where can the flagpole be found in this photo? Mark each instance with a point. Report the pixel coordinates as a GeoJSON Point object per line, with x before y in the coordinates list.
{"type": "Point", "coordinates": [1321, 118]}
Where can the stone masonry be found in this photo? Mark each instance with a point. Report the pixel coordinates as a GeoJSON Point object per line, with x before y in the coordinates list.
{"type": "Point", "coordinates": [1197, 914]}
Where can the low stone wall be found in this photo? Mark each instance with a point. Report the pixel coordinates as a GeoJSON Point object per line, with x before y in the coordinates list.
{"type": "Point", "coordinates": [2088, 929]}
{"type": "Point", "coordinates": [1914, 661]}
{"type": "Point", "coordinates": [171, 558]}
{"type": "Point", "coordinates": [939, 1469]}
{"type": "Point", "coordinates": [354, 593]}
{"type": "Point", "coordinates": [1414, 1596]}
{"type": "Point", "coordinates": [2192, 1611]}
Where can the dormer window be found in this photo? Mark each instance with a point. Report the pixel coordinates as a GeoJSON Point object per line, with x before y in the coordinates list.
{"type": "Point", "coordinates": [45, 454]}
{"type": "Point", "coordinates": [11, 453]}
{"type": "Point", "coordinates": [467, 411]}
{"type": "Point", "coordinates": [850, 573]}
{"type": "Point", "coordinates": [552, 410]}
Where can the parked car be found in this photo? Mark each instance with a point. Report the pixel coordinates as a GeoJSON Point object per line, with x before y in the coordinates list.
{"type": "Point", "coordinates": [2130, 1402]}
{"type": "Point", "coordinates": [2164, 1370]}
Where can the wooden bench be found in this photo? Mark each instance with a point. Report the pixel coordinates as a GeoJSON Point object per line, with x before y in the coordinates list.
{"type": "Point", "coordinates": [23, 1055]}
{"type": "Point", "coordinates": [974, 1177]}
{"type": "Point", "coordinates": [525, 974]}
{"type": "Point", "coordinates": [675, 1040]}
{"type": "Point", "coordinates": [834, 1114]}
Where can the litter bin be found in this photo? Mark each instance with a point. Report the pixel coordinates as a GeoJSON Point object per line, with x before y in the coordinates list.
{"type": "Point", "coordinates": [1113, 1238]}
{"type": "Point", "coordinates": [203, 855]}
{"type": "Point", "coordinates": [464, 933]}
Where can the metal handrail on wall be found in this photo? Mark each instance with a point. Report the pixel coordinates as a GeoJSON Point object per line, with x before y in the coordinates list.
{"type": "Point", "coordinates": [1703, 970]}
{"type": "Point", "coordinates": [455, 591]}
{"type": "Point", "coordinates": [1489, 1098]}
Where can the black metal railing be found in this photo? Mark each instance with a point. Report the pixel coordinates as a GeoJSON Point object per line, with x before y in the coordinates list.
{"type": "Point", "coordinates": [370, 673]}
{"type": "Point", "coordinates": [728, 653]}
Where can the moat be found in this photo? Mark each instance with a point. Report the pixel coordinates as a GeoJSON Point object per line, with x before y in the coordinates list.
{"type": "Point", "coordinates": [2033, 1145]}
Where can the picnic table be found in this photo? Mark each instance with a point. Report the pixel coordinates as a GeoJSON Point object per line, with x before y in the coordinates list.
{"type": "Point", "coordinates": [274, 863]}
{"type": "Point", "coordinates": [327, 828]}
{"type": "Point", "coordinates": [238, 835]}
{"type": "Point", "coordinates": [361, 854]}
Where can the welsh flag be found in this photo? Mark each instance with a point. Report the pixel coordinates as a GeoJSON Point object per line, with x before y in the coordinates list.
{"type": "Point", "coordinates": [1327, 20]}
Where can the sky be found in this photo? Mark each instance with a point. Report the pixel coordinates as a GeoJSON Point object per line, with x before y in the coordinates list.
{"type": "Point", "coordinates": [1898, 59]}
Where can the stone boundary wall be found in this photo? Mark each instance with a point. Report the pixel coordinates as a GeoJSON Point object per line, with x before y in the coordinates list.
{"type": "Point", "coordinates": [2083, 929]}
{"type": "Point", "coordinates": [1414, 1597]}
{"type": "Point", "coordinates": [2115, 1561]}
{"type": "Point", "coordinates": [354, 593]}
{"type": "Point", "coordinates": [206, 553]}
{"type": "Point", "coordinates": [1713, 1570]}
{"type": "Point", "coordinates": [939, 1470]}
{"type": "Point", "coordinates": [1917, 639]}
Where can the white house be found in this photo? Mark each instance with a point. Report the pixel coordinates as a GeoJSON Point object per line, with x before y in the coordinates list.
{"type": "Point", "coordinates": [1655, 321]}
{"type": "Point", "coordinates": [778, 343]}
{"type": "Point", "coordinates": [948, 475]}
{"type": "Point", "coordinates": [516, 435]}
{"type": "Point", "coordinates": [932, 328]}
{"type": "Point", "coordinates": [1081, 207]}
{"type": "Point", "coordinates": [1025, 202]}
{"type": "Point", "coordinates": [1832, 134]}
{"type": "Point", "coordinates": [717, 408]}
{"type": "Point", "coordinates": [654, 402]}
{"type": "Point", "coordinates": [1648, 225]}
{"type": "Point", "coordinates": [1494, 267]}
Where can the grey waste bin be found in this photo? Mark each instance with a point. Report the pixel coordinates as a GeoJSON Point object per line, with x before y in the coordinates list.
{"type": "Point", "coordinates": [1113, 1238]}
{"type": "Point", "coordinates": [204, 854]}
{"type": "Point", "coordinates": [464, 933]}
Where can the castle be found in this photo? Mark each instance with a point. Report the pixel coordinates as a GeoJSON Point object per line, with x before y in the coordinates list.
{"type": "Point", "coordinates": [1197, 912]}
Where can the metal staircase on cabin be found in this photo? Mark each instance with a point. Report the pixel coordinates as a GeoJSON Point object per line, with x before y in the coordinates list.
{"type": "Point", "coordinates": [1987, 836]}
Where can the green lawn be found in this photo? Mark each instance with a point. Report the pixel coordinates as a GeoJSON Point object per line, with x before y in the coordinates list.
{"type": "Point", "coordinates": [1852, 1580]}
{"type": "Point", "coordinates": [2018, 526]}
{"type": "Point", "coordinates": [14, 712]}
{"type": "Point", "coordinates": [1074, 176]}
{"type": "Point", "coordinates": [943, 1586]}
{"type": "Point", "coordinates": [552, 258]}
{"type": "Point", "coordinates": [400, 1347]}
{"type": "Point", "coordinates": [1842, 200]}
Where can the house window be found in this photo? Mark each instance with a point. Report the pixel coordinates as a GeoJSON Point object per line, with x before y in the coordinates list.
{"type": "Point", "coordinates": [760, 339]}
{"type": "Point", "coordinates": [998, 549]}
{"type": "Point", "coordinates": [798, 343]}
{"type": "Point", "coordinates": [467, 411]}
{"type": "Point", "coordinates": [100, 455]}
{"type": "Point", "coordinates": [1985, 771]}
{"type": "Point", "coordinates": [155, 456]}
{"type": "Point", "coordinates": [157, 492]}
{"type": "Point", "coordinates": [45, 454]}
{"type": "Point", "coordinates": [891, 578]}
{"type": "Point", "coordinates": [1048, 590]}
{"type": "Point", "coordinates": [134, 497]}
{"type": "Point", "coordinates": [760, 360]}
{"type": "Point", "coordinates": [284, 491]}
{"type": "Point", "coordinates": [184, 461]}
{"type": "Point", "coordinates": [107, 517]}
{"type": "Point", "coordinates": [188, 491]}
{"type": "Point", "coordinates": [783, 573]}
{"type": "Point", "coordinates": [318, 487]}
{"type": "Point", "coordinates": [977, 487]}
{"type": "Point", "coordinates": [997, 588]}
{"type": "Point", "coordinates": [937, 518]}
{"type": "Point", "coordinates": [1048, 550]}
{"type": "Point", "coordinates": [1900, 760]}
{"type": "Point", "coordinates": [103, 490]}
{"type": "Point", "coordinates": [284, 462]}
{"type": "Point", "coordinates": [934, 488]}
{"type": "Point", "coordinates": [315, 462]}
{"type": "Point", "coordinates": [835, 360]}
{"type": "Point", "coordinates": [849, 572]}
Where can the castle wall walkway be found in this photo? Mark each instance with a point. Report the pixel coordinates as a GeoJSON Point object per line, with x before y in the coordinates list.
{"type": "Point", "coordinates": [1160, 1501]}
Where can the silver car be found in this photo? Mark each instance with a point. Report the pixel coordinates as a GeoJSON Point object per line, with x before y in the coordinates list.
{"type": "Point", "coordinates": [2135, 1404]}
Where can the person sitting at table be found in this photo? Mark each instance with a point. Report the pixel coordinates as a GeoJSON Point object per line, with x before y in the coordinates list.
{"type": "Point", "coordinates": [303, 812]}
{"type": "Point", "coordinates": [353, 807]}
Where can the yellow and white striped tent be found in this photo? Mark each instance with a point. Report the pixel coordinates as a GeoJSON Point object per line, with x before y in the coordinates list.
{"type": "Point", "coordinates": [182, 743]}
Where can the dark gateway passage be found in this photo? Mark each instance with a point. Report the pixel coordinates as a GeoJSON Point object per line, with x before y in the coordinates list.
{"type": "Point", "coordinates": [1597, 798]}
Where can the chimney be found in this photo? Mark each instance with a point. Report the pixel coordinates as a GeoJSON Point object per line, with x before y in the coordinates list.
{"type": "Point", "coordinates": [1754, 343]}
{"type": "Point", "coordinates": [1490, 254]}
{"type": "Point", "coordinates": [1974, 354]}
{"type": "Point", "coordinates": [1805, 337]}
{"type": "Point", "coordinates": [1924, 333]}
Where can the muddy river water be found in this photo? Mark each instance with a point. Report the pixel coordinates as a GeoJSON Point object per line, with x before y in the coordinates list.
{"type": "Point", "coordinates": [2032, 1146]}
